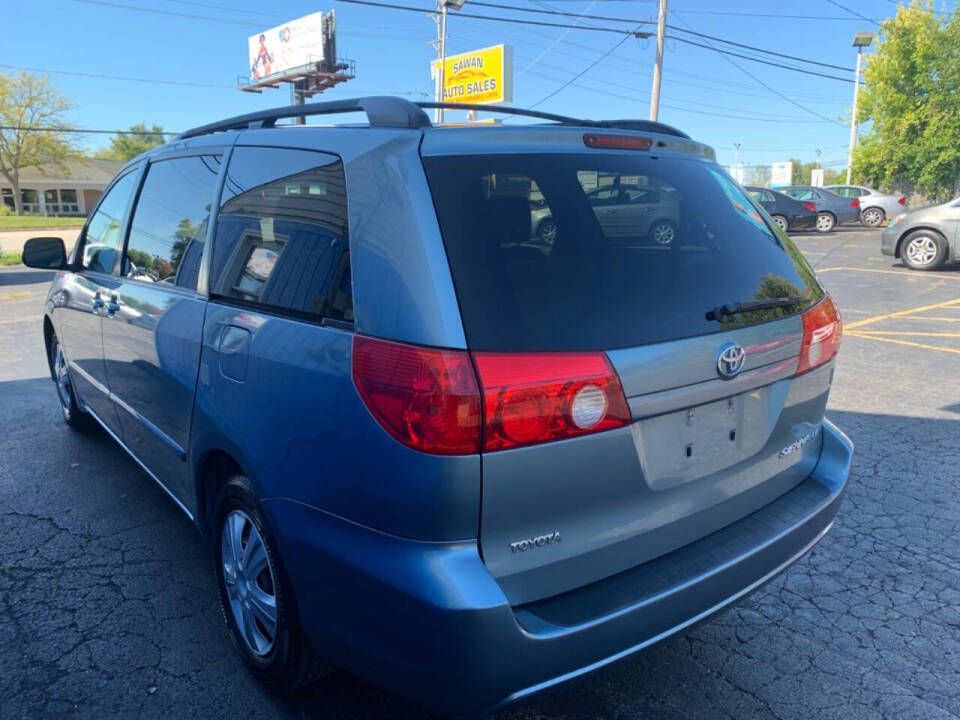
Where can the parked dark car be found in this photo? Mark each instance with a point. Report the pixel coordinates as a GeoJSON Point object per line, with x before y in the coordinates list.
{"type": "Point", "coordinates": [424, 449]}
{"type": "Point", "coordinates": [786, 213]}
{"type": "Point", "coordinates": [832, 209]}
{"type": "Point", "coordinates": [925, 238]}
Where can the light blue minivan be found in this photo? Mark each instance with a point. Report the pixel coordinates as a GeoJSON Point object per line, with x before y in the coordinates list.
{"type": "Point", "coordinates": [426, 446]}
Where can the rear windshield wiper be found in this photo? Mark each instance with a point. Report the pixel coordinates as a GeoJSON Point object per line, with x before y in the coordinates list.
{"type": "Point", "coordinates": [718, 313]}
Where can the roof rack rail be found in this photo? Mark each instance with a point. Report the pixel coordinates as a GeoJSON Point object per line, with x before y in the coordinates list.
{"type": "Point", "coordinates": [394, 112]}
{"type": "Point", "coordinates": [382, 111]}
{"type": "Point", "coordinates": [641, 125]}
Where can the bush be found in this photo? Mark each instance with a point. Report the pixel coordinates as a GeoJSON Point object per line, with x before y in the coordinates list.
{"type": "Point", "coordinates": [5, 210]}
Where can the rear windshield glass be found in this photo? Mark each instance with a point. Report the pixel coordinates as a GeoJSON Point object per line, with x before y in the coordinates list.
{"type": "Point", "coordinates": [602, 251]}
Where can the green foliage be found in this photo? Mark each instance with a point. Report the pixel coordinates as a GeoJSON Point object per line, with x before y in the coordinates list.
{"type": "Point", "coordinates": [9, 258]}
{"type": "Point", "coordinates": [29, 101]}
{"type": "Point", "coordinates": [802, 173]}
{"type": "Point", "coordinates": [127, 147]}
{"type": "Point", "coordinates": [33, 222]}
{"type": "Point", "coordinates": [140, 258]}
{"type": "Point", "coordinates": [912, 96]}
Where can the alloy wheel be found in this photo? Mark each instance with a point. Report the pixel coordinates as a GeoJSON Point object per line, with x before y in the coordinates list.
{"type": "Point", "coordinates": [62, 378]}
{"type": "Point", "coordinates": [663, 234]}
{"type": "Point", "coordinates": [548, 232]}
{"type": "Point", "coordinates": [824, 222]}
{"type": "Point", "coordinates": [872, 217]}
{"type": "Point", "coordinates": [781, 222]}
{"type": "Point", "coordinates": [250, 582]}
{"type": "Point", "coordinates": [922, 250]}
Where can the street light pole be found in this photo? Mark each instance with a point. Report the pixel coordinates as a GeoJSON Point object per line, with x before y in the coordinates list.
{"type": "Point", "coordinates": [443, 56]}
{"type": "Point", "coordinates": [860, 41]}
{"type": "Point", "coordinates": [658, 66]}
{"type": "Point", "coordinates": [442, 50]}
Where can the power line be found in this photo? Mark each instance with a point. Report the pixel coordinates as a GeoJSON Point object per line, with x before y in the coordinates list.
{"type": "Point", "coordinates": [771, 89]}
{"type": "Point", "coordinates": [597, 28]}
{"type": "Point", "coordinates": [852, 12]}
{"type": "Point", "coordinates": [766, 15]}
{"type": "Point", "coordinates": [581, 73]}
{"type": "Point", "coordinates": [707, 46]}
{"type": "Point", "coordinates": [67, 129]}
{"type": "Point", "coordinates": [648, 22]}
{"type": "Point", "coordinates": [518, 21]}
{"type": "Point", "coordinates": [117, 77]}
{"type": "Point", "coordinates": [761, 50]}
{"type": "Point", "coordinates": [101, 76]}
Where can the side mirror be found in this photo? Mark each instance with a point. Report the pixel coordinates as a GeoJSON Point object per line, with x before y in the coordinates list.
{"type": "Point", "coordinates": [45, 253]}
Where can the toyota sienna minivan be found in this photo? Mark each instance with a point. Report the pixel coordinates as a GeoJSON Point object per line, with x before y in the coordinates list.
{"type": "Point", "coordinates": [424, 446]}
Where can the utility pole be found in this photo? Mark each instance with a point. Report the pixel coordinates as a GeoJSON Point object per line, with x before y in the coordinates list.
{"type": "Point", "coordinates": [860, 41]}
{"type": "Point", "coordinates": [658, 67]}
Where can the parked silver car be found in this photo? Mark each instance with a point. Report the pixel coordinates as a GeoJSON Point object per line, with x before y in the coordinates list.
{"type": "Point", "coordinates": [925, 238]}
{"type": "Point", "coordinates": [875, 207]}
{"type": "Point", "coordinates": [631, 214]}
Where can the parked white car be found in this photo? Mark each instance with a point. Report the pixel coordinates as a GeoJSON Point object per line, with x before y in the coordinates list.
{"type": "Point", "coordinates": [875, 207]}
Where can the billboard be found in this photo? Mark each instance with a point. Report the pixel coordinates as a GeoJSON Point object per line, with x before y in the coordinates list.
{"type": "Point", "coordinates": [293, 44]}
{"type": "Point", "coordinates": [781, 174]}
{"type": "Point", "coordinates": [482, 76]}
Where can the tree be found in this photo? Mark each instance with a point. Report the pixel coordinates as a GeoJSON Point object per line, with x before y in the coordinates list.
{"type": "Point", "coordinates": [28, 101]}
{"type": "Point", "coordinates": [127, 146]}
{"type": "Point", "coordinates": [911, 94]}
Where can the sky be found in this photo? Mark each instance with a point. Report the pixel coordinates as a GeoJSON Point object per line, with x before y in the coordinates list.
{"type": "Point", "coordinates": [184, 58]}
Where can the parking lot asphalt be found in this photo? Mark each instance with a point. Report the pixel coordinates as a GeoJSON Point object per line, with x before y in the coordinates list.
{"type": "Point", "coordinates": [108, 607]}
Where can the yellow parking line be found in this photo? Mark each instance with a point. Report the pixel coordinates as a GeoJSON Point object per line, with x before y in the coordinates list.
{"type": "Point", "coordinates": [902, 273]}
{"type": "Point", "coordinates": [906, 333]}
{"type": "Point", "coordinates": [901, 313]}
{"type": "Point", "coordinates": [932, 318]}
{"type": "Point", "coordinates": [905, 342]}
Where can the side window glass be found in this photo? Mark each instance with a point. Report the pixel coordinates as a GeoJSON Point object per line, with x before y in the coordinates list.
{"type": "Point", "coordinates": [281, 237]}
{"type": "Point", "coordinates": [170, 221]}
{"type": "Point", "coordinates": [102, 239]}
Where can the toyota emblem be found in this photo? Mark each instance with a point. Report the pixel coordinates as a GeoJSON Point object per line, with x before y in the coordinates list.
{"type": "Point", "coordinates": [730, 360]}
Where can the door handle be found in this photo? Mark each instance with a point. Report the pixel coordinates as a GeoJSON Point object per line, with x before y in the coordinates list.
{"type": "Point", "coordinates": [113, 305]}
{"type": "Point", "coordinates": [97, 302]}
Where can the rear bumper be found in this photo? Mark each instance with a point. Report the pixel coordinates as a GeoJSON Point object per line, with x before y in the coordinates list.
{"type": "Point", "coordinates": [427, 620]}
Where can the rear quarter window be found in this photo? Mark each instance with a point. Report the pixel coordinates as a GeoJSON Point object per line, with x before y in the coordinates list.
{"type": "Point", "coordinates": [281, 240]}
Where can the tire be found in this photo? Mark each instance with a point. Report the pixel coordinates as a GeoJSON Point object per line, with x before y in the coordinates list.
{"type": "Point", "coordinates": [70, 409]}
{"type": "Point", "coordinates": [825, 222]}
{"type": "Point", "coordinates": [781, 222]}
{"type": "Point", "coordinates": [663, 233]}
{"type": "Point", "coordinates": [923, 250]}
{"type": "Point", "coordinates": [547, 232]}
{"type": "Point", "coordinates": [872, 217]}
{"type": "Point", "coordinates": [278, 653]}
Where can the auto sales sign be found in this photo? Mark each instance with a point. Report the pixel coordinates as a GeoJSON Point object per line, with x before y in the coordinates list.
{"type": "Point", "coordinates": [482, 76]}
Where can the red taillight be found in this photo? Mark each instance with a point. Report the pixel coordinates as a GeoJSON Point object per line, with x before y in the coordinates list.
{"type": "Point", "coordinates": [427, 399]}
{"type": "Point", "coordinates": [810, 206]}
{"type": "Point", "coordinates": [538, 397]}
{"type": "Point", "coordinates": [617, 142]}
{"type": "Point", "coordinates": [822, 332]}
{"type": "Point", "coordinates": [855, 203]}
{"type": "Point", "coordinates": [902, 201]}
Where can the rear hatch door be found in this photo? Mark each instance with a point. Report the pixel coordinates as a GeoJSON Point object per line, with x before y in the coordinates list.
{"type": "Point", "coordinates": [645, 250]}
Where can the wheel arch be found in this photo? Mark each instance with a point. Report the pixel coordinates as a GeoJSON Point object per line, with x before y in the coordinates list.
{"type": "Point", "coordinates": [214, 467]}
{"type": "Point", "coordinates": [48, 333]}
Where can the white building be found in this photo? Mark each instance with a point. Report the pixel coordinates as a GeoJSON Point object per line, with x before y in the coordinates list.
{"type": "Point", "coordinates": [48, 190]}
